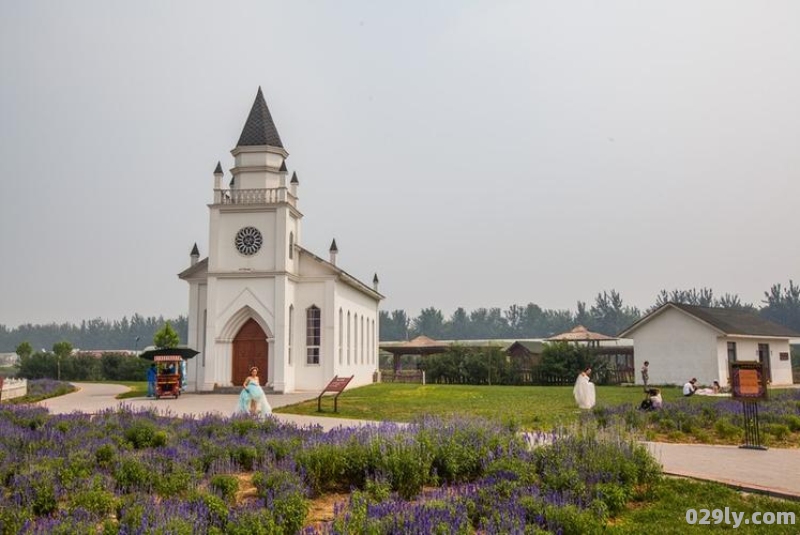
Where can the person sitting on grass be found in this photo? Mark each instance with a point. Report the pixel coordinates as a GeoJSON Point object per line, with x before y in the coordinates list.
{"type": "Point", "coordinates": [689, 388]}
{"type": "Point", "coordinates": [653, 400]}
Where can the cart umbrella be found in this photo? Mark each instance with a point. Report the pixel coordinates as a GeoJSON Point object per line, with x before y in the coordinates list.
{"type": "Point", "coordinates": [182, 352]}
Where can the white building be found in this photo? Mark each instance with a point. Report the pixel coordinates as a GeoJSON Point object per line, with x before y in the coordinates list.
{"type": "Point", "coordinates": [260, 298]}
{"type": "Point", "coordinates": [684, 341]}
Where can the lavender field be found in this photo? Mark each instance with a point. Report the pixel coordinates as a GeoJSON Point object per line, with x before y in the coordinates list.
{"type": "Point", "coordinates": [130, 472]}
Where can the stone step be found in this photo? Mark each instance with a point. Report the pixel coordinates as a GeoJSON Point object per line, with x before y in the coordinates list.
{"type": "Point", "coordinates": [237, 390]}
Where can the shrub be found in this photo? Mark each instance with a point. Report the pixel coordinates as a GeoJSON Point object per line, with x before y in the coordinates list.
{"type": "Point", "coordinates": [144, 434]}
{"type": "Point", "coordinates": [95, 500]}
{"type": "Point", "coordinates": [779, 431]}
{"type": "Point", "coordinates": [225, 485]}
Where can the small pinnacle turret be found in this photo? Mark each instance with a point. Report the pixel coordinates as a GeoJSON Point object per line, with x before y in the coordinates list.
{"type": "Point", "coordinates": [294, 178]}
{"type": "Point", "coordinates": [218, 169]}
{"type": "Point", "coordinates": [333, 250]}
{"type": "Point", "coordinates": [283, 167]}
{"type": "Point", "coordinates": [194, 255]}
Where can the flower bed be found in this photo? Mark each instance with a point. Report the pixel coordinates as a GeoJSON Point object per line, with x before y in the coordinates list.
{"type": "Point", "coordinates": [137, 472]}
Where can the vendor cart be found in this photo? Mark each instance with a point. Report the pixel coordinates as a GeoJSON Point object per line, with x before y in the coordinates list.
{"type": "Point", "coordinates": [168, 377]}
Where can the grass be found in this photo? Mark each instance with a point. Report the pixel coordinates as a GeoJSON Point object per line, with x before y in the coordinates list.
{"type": "Point", "coordinates": [532, 407]}
{"type": "Point", "coordinates": [138, 389]}
{"type": "Point", "coordinates": [665, 511]}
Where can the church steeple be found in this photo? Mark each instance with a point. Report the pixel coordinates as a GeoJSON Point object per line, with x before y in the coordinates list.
{"type": "Point", "coordinates": [259, 128]}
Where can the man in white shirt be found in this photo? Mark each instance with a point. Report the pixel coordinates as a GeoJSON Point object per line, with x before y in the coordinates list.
{"type": "Point", "coordinates": [689, 388]}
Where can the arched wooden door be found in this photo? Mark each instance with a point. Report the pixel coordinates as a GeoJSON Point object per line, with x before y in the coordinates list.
{"type": "Point", "coordinates": [250, 349]}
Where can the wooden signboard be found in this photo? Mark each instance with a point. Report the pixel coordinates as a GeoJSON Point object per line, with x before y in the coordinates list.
{"type": "Point", "coordinates": [747, 381]}
{"type": "Point", "coordinates": [337, 386]}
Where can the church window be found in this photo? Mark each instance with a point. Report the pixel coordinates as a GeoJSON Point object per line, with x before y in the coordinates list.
{"type": "Point", "coordinates": [349, 338]}
{"type": "Point", "coordinates": [291, 332]}
{"type": "Point", "coordinates": [313, 334]}
{"type": "Point", "coordinates": [355, 339]}
{"type": "Point", "coordinates": [362, 339]}
{"type": "Point", "coordinates": [291, 245]}
{"type": "Point", "coordinates": [341, 334]}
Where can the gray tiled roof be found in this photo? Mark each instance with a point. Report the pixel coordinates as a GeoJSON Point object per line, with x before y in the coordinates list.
{"type": "Point", "coordinates": [733, 321]}
{"type": "Point", "coordinates": [259, 128]}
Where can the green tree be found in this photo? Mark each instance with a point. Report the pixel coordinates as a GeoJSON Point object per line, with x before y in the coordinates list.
{"type": "Point", "coordinates": [782, 305]}
{"type": "Point", "coordinates": [166, 337]}
{"type": "Point", "coordinates": [62, 350]}
{"type": "Point", "coordinates": [25, 349]}
{"type": "Point", "coordinates": [564, 361]}
{"type": "Point", "coordinates": [430, 322]}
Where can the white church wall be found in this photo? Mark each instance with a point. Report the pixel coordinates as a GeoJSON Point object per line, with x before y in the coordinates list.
{"type": "Point", "coordinates": [195, 339]}
{"type": "Point", "coordinates": [359, 341]}
{"type": "Point", "coordinates": [311, 376]}
{"type": "Point", "coordinates": [227, 258]}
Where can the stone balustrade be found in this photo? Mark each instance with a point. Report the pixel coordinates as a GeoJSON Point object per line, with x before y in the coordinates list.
{"type": "Point", "coordinates": [254, 196]}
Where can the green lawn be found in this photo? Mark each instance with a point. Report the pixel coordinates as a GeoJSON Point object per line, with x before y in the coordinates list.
{"type": "Point", "coordinates": [665, 511]}
{"type": "Point", "coordinates": [532, 407]}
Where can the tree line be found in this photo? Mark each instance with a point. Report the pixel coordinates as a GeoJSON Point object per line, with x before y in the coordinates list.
{"type": "Point", "coordinates": [96, 334]}
{"type": "Point", "coordinates": [607, 315]}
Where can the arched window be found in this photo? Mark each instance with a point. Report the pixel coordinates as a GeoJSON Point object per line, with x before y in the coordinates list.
{"type": "Point", "coordinates": [355, 339]}
{"type": "Point", "coordinates": [291, 332]}
{"type": "Point", "coordinates": [291, 245]}
{"type": "Point", "coordinates": [313, 334]}
{"type": "Point", "coordinates": [341, 334]}
{"type": "Point", "coordinates": [362, 339]}
{"type": "Point", "coordinates": [349, 338]}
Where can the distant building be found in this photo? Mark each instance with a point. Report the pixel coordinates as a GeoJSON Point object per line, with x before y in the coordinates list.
{"type": "Point", "coordinates": [260, 298]}
{"type": "Point", "coordinates": [8, 359]}
{"type": "Point", "coordinates": [684, 341]}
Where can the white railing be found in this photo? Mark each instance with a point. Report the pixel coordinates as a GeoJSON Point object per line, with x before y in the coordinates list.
{"type": "Point", "coordinates": [14, 388]}
{"type": "Point", "coordinates": [253, 196]}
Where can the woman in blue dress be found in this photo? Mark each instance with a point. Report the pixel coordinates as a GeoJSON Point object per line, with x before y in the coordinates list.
{"type": "Point", "coordinates": [253, 400]}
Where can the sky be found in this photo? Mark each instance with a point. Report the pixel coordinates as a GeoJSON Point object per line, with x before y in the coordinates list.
{"type": "Point", "coordinates": [471, 153]}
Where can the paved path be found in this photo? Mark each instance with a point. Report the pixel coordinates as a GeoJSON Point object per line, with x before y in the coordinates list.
{"type": "Point", "coordinates": [774, 471]}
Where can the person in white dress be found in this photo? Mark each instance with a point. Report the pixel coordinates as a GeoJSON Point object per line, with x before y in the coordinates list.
{"type": "Point", "coordinates": [253, 400]}
{"type": "Point", "coordinates": [584, 390]}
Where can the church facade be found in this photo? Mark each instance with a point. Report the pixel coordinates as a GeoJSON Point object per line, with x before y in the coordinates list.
{"type": "Point", "coordinates": [260, 298]}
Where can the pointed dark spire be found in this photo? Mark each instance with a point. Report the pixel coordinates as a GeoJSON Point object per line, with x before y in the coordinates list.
{"type": "Point", "coordinates": [283, 167]}
{"type": "Point", "coordinates": [218, 170]}
{"type": "Point", "coordinates": [375, 279]}
{"type": "Point", "coordinates": [195, 250]}
{"type": "Point", "coordinates": [333, 248]}
{"type": "Point", "coordinates": [294, 178]}
{"type": "Point", "coordinates": [259, 128]}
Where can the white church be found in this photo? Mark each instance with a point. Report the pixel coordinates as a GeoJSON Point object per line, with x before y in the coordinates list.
{"type": "Point", "coordinates": [260, 298]}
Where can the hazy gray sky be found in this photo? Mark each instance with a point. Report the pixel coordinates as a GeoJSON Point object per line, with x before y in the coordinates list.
{"type": "Point", "coordinates": [471, 153]}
